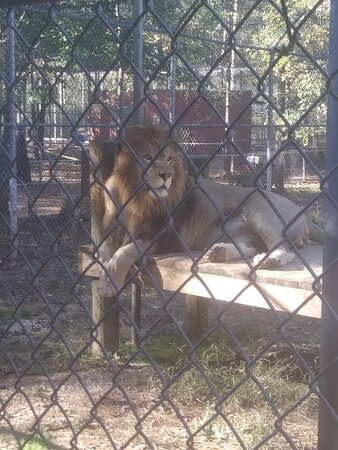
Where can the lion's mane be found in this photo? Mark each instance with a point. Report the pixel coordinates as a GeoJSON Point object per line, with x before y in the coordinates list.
{"type": "Point", "coordinates": [143, 215]}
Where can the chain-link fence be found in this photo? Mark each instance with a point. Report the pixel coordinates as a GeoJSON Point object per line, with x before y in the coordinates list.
{"type": "Point", "coordinates": [96, 212]}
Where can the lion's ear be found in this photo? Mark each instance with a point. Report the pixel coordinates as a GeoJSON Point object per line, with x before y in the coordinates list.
{"type": "Point", "coordinates": [163, 131]}
{"type": "Point", "coordinates": [133, 134]}
{"type": "Point", "coordinates": [135, 130]}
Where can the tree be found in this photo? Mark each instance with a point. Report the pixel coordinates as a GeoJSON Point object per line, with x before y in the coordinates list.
{"type": "Point", "coordinates": [80, 38]}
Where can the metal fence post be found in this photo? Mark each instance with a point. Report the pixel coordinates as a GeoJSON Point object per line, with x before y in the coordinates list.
{"type": "Point", "coordinates": [328, 409]}
{"type": "Point", "coordinates": [11, 125]}
{"type": "Point", "coordinates": [270, 126]}
{"type": "Point", "coordinates": [172, 100]}
{"type": "Point", "coordinates": [138, 115]}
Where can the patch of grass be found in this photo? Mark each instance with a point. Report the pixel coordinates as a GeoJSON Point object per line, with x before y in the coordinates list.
{"type": "Point", "coordinates": [76, 353]}
{"type": "Point", "coordinates": [251, 425]}
{"type": "Point", "coordinates": [214, 371]}
{"type": "Point", "coordinates": [246, 393]}
{"type": "Point", "coordinates": [165, 351]}
{"type": "Point", "coordinates": [280, 379]}
{"type": "Point", "coordinates": [5, 314]}
{"type": "Point", "coordinates": [26, 312]}
{"type": "Point", "coordinates": [56, 350]}
{"type": "Point", "coordinates": [171, 351]}
{"type": "Point", "coordinates": [33, 444]}
{"type": "Point", "coordinates": [303, 189]}
{"type": "Point", "coordinates": [240, 386]}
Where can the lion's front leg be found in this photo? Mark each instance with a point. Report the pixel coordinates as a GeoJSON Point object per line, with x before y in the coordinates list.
{"type": "Point", "coordinates": [112, 274]}
{"type": "Point", "coordinates": [114, 271]}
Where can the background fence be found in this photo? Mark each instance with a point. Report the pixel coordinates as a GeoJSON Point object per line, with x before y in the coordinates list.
{"type": "Point", "coordinates": [255, 75]}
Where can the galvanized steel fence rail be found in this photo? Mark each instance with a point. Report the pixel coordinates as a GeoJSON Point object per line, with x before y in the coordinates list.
{"type": "Point", "coordinates": [46, 325]}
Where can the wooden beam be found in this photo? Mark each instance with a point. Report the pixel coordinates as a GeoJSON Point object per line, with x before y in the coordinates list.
{"type": "Point", "coordinates": [135, 311]}
{"type": "Point", "coordinates": [107, 332]}
{"type": "Point", "coordinates": [282, 298]}
{"type": "Point", "coordinates": [103, 308]}
{"type": "Point", "coordinates": [286, 290]}
{"type": "Point", "coordinates": [197, 315]}
{"type": "Point", "coordinates": [294, 274]}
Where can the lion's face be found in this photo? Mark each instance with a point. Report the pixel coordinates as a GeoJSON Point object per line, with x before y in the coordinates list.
{"type": "Point", "coordinates": [158, 169]}
{"type": "Point", "coordinates": [156, 158]}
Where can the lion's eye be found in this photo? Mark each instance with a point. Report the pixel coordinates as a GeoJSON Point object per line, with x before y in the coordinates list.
{"type": "Point", "coordinates": [147, 157]}
{"type": "Point", "coordinates": [169, 159]}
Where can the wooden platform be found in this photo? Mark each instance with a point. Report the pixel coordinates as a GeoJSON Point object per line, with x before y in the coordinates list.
{"type": "Point", "coordinates": [289, 289]}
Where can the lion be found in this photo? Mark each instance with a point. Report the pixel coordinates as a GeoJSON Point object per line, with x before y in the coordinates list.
{"type": "Point", "coordinates": [152, 206]}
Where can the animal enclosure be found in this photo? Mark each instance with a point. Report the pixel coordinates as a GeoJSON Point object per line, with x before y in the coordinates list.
{"type": "Point", "coordinates": [187, 355]}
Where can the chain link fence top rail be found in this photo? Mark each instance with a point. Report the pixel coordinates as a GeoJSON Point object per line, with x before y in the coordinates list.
{"type": "Point", "coordinates": [242, 87]}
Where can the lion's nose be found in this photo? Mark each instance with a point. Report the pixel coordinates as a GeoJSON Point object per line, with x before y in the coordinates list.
{"type": "Point", "coordinates": [164, 175]}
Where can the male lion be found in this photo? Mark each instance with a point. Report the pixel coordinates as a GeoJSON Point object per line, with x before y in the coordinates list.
{"type": "Point", "coordinates": [152, 206]}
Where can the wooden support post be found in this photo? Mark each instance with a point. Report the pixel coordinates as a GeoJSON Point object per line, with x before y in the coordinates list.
{"type": "Point", "coordinates": [197, 315]}
{"type": "Point", "coordinates": [107, 333]}
{"type": "Point", "coordinates": [135, 311]}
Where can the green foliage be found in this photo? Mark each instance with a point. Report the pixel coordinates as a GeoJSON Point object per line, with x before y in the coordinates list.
{"type": "Point", "coordinates": [33, 444]}
{"type": "Point", "coordinates": [74, 36]}
{"type": "Point", "coordinates": [80, 36]}
{"type": "Point", "coordinates": [298, 79]}
{"type": "Point", "coordinates": [280, 374]}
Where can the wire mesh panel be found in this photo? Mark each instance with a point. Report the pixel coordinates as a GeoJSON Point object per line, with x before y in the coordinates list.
{"type": "Point", "coordinates": [146, 298]}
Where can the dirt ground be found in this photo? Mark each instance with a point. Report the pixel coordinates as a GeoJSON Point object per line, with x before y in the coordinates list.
{"type": "Point", "coordinates": [53, 389]}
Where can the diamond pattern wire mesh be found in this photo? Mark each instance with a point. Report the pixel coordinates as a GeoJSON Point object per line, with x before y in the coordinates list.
{"type": "Point", "coordinates": [231, 80]}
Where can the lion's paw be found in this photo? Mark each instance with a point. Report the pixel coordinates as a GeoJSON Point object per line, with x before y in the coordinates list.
{"type": "Point", "coordinates": [110, 281]}
{"type": "Point", "coordinates": [277, 258]}
{"type": "Point", "coordinates": [221, 252]}
{"type": "Point", "coordinates": [266, 264]}
{"type": "Point", "coordinates": [105, 286]}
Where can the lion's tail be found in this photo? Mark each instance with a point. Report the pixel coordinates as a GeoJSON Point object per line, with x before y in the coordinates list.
{"type": "Point", "coordinates": [316, 234]}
